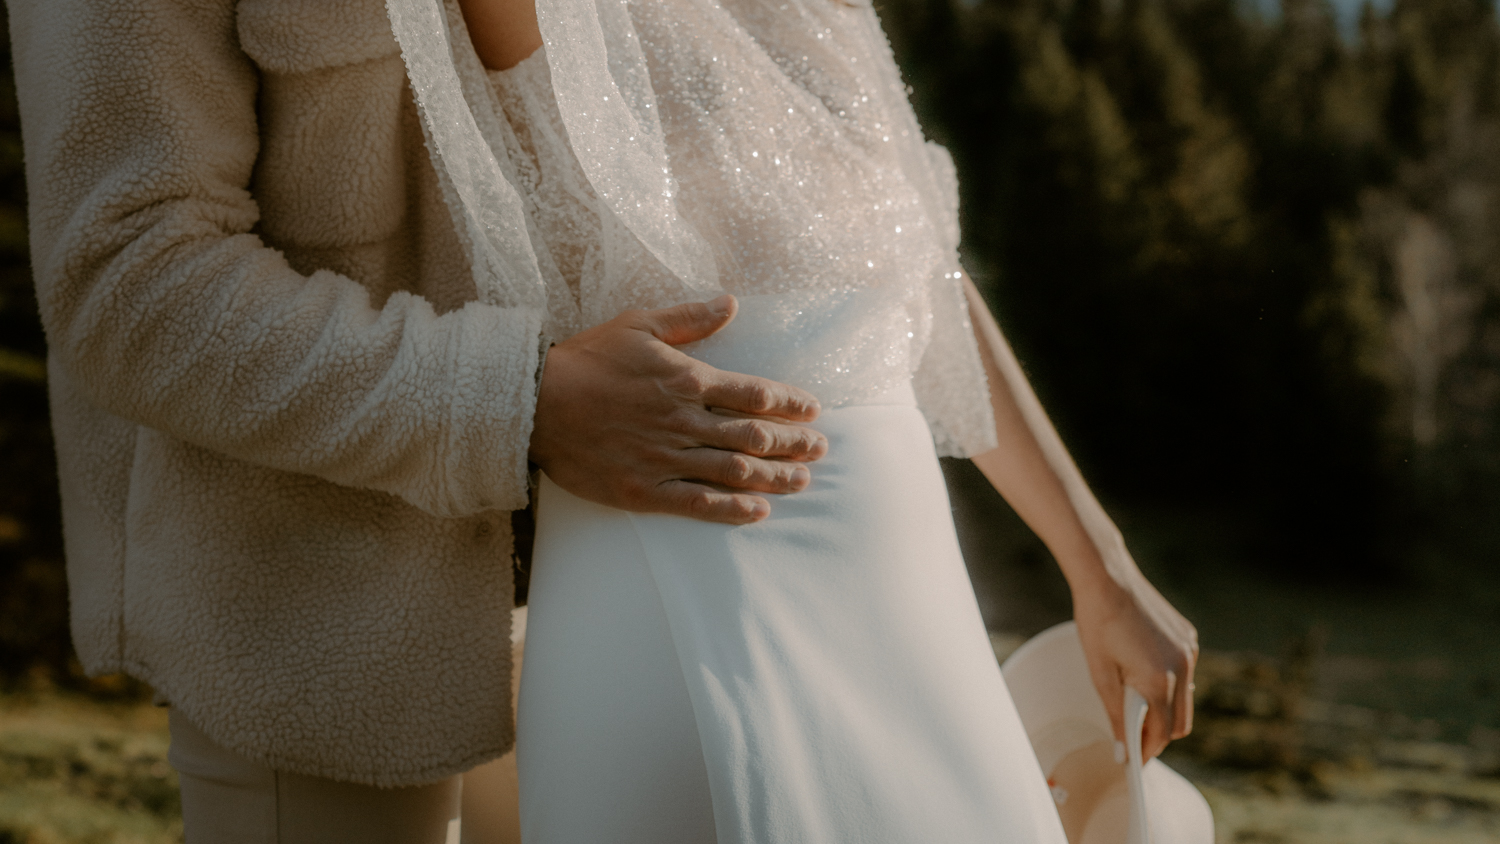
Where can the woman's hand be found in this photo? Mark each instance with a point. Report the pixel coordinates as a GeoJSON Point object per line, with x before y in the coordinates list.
{"type": "Point", "coordinates": [1133, 637]}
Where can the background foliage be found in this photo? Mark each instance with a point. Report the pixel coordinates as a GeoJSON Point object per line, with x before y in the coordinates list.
{"type": "Point", "coordinates": [33, 595]}
{"type": "Point", "coordinates": [1250, 260]}
{"type": "Point", "coordinates": [1250, 263]}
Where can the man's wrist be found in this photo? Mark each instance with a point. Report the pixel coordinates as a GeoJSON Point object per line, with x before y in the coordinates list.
{"type": "Point", "coordinates": [545, 346]}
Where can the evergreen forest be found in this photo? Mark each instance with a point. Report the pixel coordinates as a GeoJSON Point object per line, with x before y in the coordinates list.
{"type": "Point", "coordinates": [1251, 262]}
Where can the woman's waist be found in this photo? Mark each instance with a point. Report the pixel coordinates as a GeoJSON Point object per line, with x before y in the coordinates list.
{"type": "Point", "coordinates": [898, 394]}
{"type": "Point", "coordinates": [854, 347]}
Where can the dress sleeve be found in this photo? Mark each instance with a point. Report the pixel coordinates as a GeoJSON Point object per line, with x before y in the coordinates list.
{"type": "Point", "coordinates": [140, 128]}
{"type": "Point", "coordinates": [950, 384]}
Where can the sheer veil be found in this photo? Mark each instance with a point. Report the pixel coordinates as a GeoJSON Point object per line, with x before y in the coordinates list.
{"type": "Point", "coordinates": [759, 147]}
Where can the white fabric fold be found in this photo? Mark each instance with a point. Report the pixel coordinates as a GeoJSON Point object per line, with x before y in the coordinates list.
{"type": "Point", "coordinates": [606, 98]}
{"type": "Point", "coordinates": [490, 212]}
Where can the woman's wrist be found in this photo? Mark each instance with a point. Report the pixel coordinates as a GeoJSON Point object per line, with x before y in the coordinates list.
{"type": "Point", "coordinates": [1099, 575]}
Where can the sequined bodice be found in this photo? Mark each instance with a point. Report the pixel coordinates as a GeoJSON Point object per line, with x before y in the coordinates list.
{"type": "Point", "coordinates": [795, 162]}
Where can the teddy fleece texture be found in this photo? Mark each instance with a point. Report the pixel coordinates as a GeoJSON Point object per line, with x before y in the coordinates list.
{"type": "Point", "coordinates": [288, 437]}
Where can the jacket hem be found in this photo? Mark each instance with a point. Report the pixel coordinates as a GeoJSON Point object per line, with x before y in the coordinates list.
{"type": "Point", "coordinates": [379, 779]}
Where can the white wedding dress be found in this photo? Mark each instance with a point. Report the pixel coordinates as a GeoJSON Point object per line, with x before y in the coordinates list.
{"type": "Point", "coordinates": [822, 676]}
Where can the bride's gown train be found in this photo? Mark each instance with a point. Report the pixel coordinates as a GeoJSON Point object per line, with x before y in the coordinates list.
{"type": "Point", "coordinates": [824, 675]}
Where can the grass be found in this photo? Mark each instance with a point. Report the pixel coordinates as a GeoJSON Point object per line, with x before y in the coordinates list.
{"type": "Point", "coordinates": [79, 771]}
{"type": "Point", "coordinates": [1341, 713]}
{"type": "Point", "coordinates": [1379, 807]}
{"type": "Point", "coordinates": [1278, 765]}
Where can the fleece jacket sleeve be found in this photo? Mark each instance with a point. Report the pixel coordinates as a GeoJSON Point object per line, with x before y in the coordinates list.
{"type": "Point", "coordinates": [139, 122]}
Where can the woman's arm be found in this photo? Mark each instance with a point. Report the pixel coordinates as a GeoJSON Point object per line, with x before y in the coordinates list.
{"type": "Point", "coordinates": [503, 31]}
{"type": "Point", "coordinates": [1130, 634]}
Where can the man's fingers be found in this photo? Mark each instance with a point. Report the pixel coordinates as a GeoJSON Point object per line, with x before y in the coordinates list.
{"type": "Point", "coordinates": [687, 323]}
{"type": "Point", "coordinates": [741, 471]}
{"type": "Point", "coordinates": [763, 438]}
{"type": "Point", "coordinates": [759, 397]}
{"type": "Point", "coordinates": [696, 501]}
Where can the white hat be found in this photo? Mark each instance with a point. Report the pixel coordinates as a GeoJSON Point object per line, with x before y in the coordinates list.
{"type": "Point", "coordinates": [1100, 800]}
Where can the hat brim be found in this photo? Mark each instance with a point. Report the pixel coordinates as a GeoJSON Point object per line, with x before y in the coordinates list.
{"type": "Point", "coordinates": [1070, 732]}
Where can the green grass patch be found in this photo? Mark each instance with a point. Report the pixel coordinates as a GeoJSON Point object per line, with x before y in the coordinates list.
{"type": "Point", "coordinates": [73, 771]}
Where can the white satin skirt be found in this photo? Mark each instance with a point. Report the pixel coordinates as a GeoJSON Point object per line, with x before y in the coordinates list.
{"type": "Point", "coordinates": [822, 676]}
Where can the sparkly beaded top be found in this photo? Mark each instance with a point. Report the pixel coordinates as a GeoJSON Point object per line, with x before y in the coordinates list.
{"type": "Point", "coordinates": [662, 151]}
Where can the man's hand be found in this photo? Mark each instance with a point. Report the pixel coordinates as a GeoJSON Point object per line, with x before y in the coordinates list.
{"type": "Point", "coordinates": [625, 420]}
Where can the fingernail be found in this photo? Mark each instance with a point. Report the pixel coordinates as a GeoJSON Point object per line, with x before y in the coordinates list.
{"type": "Point", "coordinates": [801, 477]}
{"type": "Point", "coordinates": [760, 510]}
{"type": "Point", "coordinates": [720, 306]}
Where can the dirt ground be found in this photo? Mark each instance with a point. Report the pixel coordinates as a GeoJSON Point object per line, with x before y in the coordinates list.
{"type": "Point", "coordinates": [1277, 766]}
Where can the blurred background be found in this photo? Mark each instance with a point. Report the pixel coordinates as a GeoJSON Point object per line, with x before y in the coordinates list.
{"type": "Point", "coordinates": [1249, 253]}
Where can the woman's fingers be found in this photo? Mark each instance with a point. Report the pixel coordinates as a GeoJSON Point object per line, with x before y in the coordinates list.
{"type": "Point", "coordinates": [1170, 694]}
{"type": "Point", "coordinates": [1159, 718]}
{"type": "Point", "coordinates": [1161, 710]}
{"type": "Point", "coordinates": [1112, 692]}
{"type": "Point", "coordinates": [1182, 720]}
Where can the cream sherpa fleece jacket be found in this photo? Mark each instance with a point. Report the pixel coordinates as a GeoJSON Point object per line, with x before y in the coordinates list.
{"type": "Point", "coordinates": [288, 437]}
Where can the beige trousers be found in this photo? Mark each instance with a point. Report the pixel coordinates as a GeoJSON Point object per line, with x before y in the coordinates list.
{"type": "Point", "coordinates": [229, 799]}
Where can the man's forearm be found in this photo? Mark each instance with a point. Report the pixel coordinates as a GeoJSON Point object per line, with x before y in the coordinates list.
{"type": "Point", "coordinates": [164, 306]}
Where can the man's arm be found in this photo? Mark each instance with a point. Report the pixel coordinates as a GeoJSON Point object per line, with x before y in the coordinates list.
{"type": "Point", "coordinates": [140, 130]}
{"type": "Point", "coordinates": [141, 136]}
